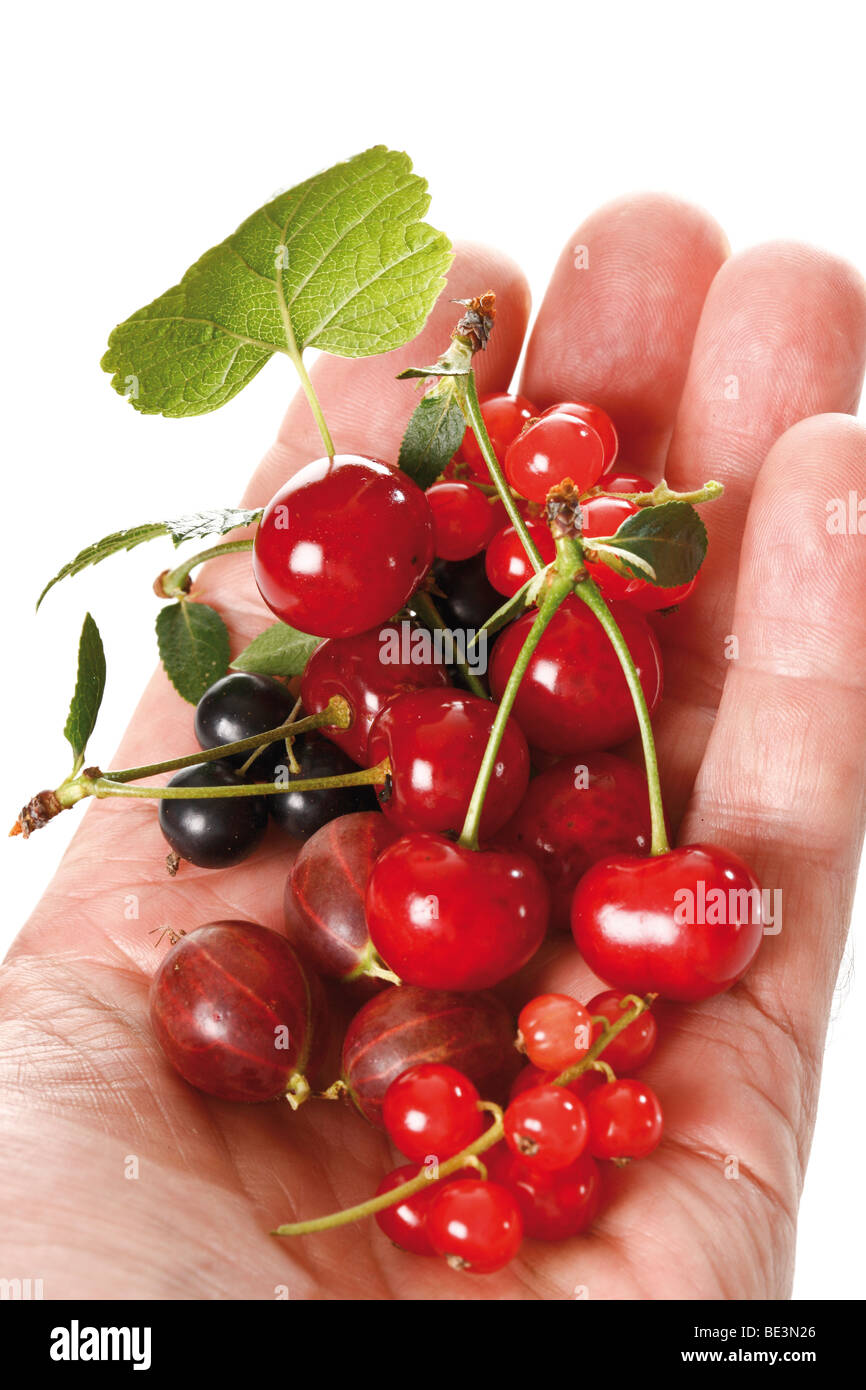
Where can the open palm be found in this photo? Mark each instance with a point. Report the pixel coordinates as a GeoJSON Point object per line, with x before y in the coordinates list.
{"type": "Point", "coordinates": [738, 369]}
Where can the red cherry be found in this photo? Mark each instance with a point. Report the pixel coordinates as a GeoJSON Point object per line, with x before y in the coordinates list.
{"type": "Point", "coordinates": [504, 417]}
{"type": "Point", "coordinates": [235, 1013]}
{"type": "Point", "coordinates": [685, 925]}
{"type": "Point", "coordinates": [547, 1126]}
{"type": "Point", "coordinates": [597, 419]}
{"type": "Point", "coordinates": [368, 670]}
{"type": "Point", "coordinates": [625, 1120]}
{"type": "Point", "coordinates": [649, 598]}
{"type": "Point", "coordinates": [335, 520]}
{"type": "Point", "coordinates": [552, 449]}
{"type": "Point", "coordinates": [475, 1225]}
{"type": "Point", "coordinates": [405, 1223]}
{"type": "Point", "coordinates": [446, 917]}
{"type": "Point", "coordinates": [632, 1048]}
{"type": "Point", "coordinates": [582, 810]}
{"type": "Point", "coordinates": [556, 1031]}
{"type": "Point", "coordinates": [617, 481]}
{"type": "Point", "coordinates": [404, 1025]}
{"type": "Point", "coordinates": [463, 520]}
{"type": "Point", "coordinates": [574, 696]}
{"type": "Point", "coordinates": [431, 1111]}
{"type": "Point", "coordinates": [555, 1205]}
{"type": "Point", "coordinates": [436, 740]}
{"type": "Point", "coordinates": [507, 564]}
{"type": "Point", "coordinates": [602, 516]}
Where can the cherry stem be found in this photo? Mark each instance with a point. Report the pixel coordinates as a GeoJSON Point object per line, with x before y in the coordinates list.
{"type": "Point", "coordinates": [175, 583]}
{"type": "Point", "coordinates": [589, 592]}
{"type": "Point", "coordinates": [637, 1006]}
{"type": "Point", "coordinates": [429, 614]}
{"type": "Point", "coordinates": [336, 714]}
{"type": "Point", "coordinates": [101, 787]}
{"type": "Point", "coordinates": [490, 1137]}
{"type": "Point", "coordinates": [467, 395]}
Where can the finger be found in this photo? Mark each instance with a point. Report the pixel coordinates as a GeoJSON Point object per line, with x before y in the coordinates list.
{"type": "Point", "coordinates": [617, 322]}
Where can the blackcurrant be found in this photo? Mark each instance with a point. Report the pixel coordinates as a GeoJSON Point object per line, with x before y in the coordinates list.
{"type": "Point", "coordinates": [301, 813]}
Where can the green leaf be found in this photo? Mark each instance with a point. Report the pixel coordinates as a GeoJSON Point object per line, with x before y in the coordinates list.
{"type": "Point", "coordinates": [278, 651]}
{"type": "Point", "coordinates": [89, 690]}
{"type": "Point", "coordinates": [184, 528]}
{"type": "Point", "coordinates": [342, 263]}
{"type": "Point", "coordinates": [665, 545]}
{"type": "Point", "coordinates": [193, 647]}
{"type": "Point", "coordinates": [433, 435]}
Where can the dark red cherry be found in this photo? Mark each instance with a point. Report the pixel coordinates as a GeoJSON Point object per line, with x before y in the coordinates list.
{"type": "Point", "coordinates": [507, 564]}
{"type": "Point", "coordinates": [446, 917]}
{"type": "Point", "coordinates": [436, 740]}
{"type": "Point", "coordinates": [342, 545]}
{"type": "Point", "coordinates": [685, 925]}
{"type": "Point", "coordinates": [582, 810]}
{"type": "Point", "coordinates": [554, 1205]}
{"type": "Point", "coordinates": [403, 1026]}
{"type": "Point", "coordinates": [213, 832]}
{"type": "Point", "coordinates": [324, 896]}
{"type": "Point", "coordinates": [240, 706]}
{"type": "Point", "coordinates": [597, 419]}
{"type": "Point", "coordinates": [300, 814]}
{"type": "Point", "coordinates": [369, 670]}
{"type": "Point", "coordinates": [574, 697]}
{"type": "Point", "coordinates": [504, 417]}
{"type": "Point", "coordinates": [236, 1014]}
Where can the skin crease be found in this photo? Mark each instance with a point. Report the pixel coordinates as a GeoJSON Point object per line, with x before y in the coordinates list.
{"type": "Point", "coordinates": [651, 331]}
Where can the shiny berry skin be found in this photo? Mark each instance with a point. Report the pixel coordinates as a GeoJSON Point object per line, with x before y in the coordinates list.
{"type": "Point", "coordinates": [685, 925]}
{"type": "Point", "coordinates": [475, 1225]}
{"type": "Point", "coordinates": [597, 419]}
{"type": "Point", "coordinates": [301, 814]}
{"type": "Point", "coordinates": [507, 564]}
{"type": "Point", "coordinates": [625, 1120]}
{"type": "Point", "coordinates": [213, 832]}
{"type": "Point", "coordinates": [553, 1206]}
{"type": "Point", "coordinates": [235, 1013]}
{"type": "Point", "coordinates": [531, 1076]}
{"type": "Point", "coordinates": [603, 516]}
{"type": "Point", "coordinates": [405, 1223]}
{"type": "Point", "coordinates": [552, 449]}
{"type": "Point", "coordinates": [463, 520]}
{"type": "Point", "coordinates": [651, 598]}
{"type": "Point", "coordinates": [324, 895]}
{"type": "Point", "coordinates": [466, 598]}
{"type": "Point", "coordinates": [436, 740]}
{"type": "Point", "coordinates": [445, 917]}
{"type": "Point", "coordinates": [632, 1048]}
{"type": "Point", "coordinates": [504, 416]}
{"type": "Point", "coordinates": [618, 481]}
{"type": "Point", "coordinates": [362, 670]}
{"type": "Point", "coordinates": [586, 808]}
{"type": "Point", "coordinates": [334, 521]}
{"type": "Point", "coordinates": [431, 1111]}
{"type": "Point", "coordinates": [556, 1031]}
{"type": "Point", "coordinates": [547, 1126]}
{"type": "Point", "coordinates": [404, 1025]}
{"type": "Point", "coordinates": [240, 706]}
{"type": "Point", "coordinates": [574, 697]}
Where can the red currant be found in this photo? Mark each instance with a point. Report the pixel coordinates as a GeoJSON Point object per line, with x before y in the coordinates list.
{"type": "Point", "coordinates": [531, 1076]}
{"type": "Point", "coordinates": [550, 450]}
{"type": "Point", "coordinates": [446, 917]}
{"type": "Point", "coordinates": [318, 533]}
{"type": "Point", "coordinates": [475, 1225]}
{"type": "Point", "coordinates": [632, 1048]}
{"type": "Point", "coordinates": [625, 1120]}
{"type": "Point", "coordinates": [504, 417]}
{"type": "Point", "coordinates": [431, 1111]}
{"type": "Point", "coordinates": [556, 1031]}
{"type": "Point", "coordinates": [597, 419]}
{"type": "Point", "coordinates": [602, 516]}
{"type": "Point", "coordinates": [617, 481]}
{"type": "Point", "coordinates": [507, 563]}
{"type": "Point", "coordinates": [649, 598]}
{"type": "Point", "coordinates": [685, 925]}
{"type": "Point", "coordinates": [574, 696]}
{"type": "Point", "coordinates": [436, 740]}
{"type": "Point", "coordinates": [554, 1206]}
{"type": "Point", "coordinates": [405, 1223]}
{"type": "Point", "coordinates": [547, 1126]}
{"type": "Point", "coordinates": [463, 520]}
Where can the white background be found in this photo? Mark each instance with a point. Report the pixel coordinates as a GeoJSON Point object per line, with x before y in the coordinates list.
{"type": "Point", "coordinates": [138, 135]}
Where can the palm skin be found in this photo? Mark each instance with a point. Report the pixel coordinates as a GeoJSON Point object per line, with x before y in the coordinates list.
{"type": "Point", "coordinates": [739, 369]}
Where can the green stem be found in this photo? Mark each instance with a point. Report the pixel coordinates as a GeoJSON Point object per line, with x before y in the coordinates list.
{"type": "Point", "coordinates": [588, 1060]}
{"type": "Point", "coordinates": [588, 591]}
{"type": "Point", "coordinates": [429, 613]}
{"type": "Point", "coordinates": [101, 787]}
{"type": "Point", "coordinates": [662, 493]}
{"type": "Point", "coordinates": [467, 395]}
{"type": "Point", "coordinates": [175, 583]}
{"type": "Point", "coordinates": [310, 393]}
{"type": "Point", "coordinates": [510, 609]}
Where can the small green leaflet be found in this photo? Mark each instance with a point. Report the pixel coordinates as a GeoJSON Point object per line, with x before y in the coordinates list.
{"type": "Point", "coordinates": [193, 647]}
{"type": "Point", "coordinates": [89, 689]}
{"type": "Point", "coordinates": [184, 528]}
{"type": "Point", "coordinates": [342, 262]}
{"type": "Point", "coordinates": [665, 545]}
{"type": "Point", "coordinates": [278, 651]}
{"type": "Point", "coordinates": [433, 435]}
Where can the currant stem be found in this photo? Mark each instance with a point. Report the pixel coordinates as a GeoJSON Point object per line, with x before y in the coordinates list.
{"type": "Point", "coordinates": [101, 787]}
{"type": "Point", "coordinates": [467, 395]}
{"type": "Point", "coordinates": [310, 393]}
{"type": "Point", "coordinates": [175, 583]}
{"type": "Point", "coordinates": [588, 591]}
{"type": "Point", "coordinates": [429, 613]}
{"type": "Point", "coordinates": [588, 1060]}
{"type": "Point", "coordinates": [662, 493]}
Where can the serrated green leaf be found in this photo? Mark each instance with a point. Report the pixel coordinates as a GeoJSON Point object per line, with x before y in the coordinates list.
{"type": "Point", "coordinates": [671, 539]}
{"type": "Point", "coordinates": [343, 263]}
{"type": "Point", "coordinates": [89, 689]}
{"type": "Point", "coordinates": [278, 651]}
{"type": "Point", "coordinates": [184, 528]}
{"type": "Point", "coordinates": [193, 647]}
{"type": "Point", "coordinates": [433, 435]}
